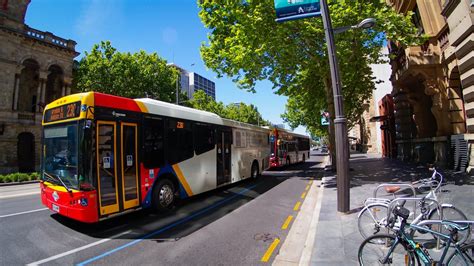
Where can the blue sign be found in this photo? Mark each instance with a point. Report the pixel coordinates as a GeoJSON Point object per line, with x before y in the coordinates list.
{"type": "Point", "coordinates": [296, 9]}
{"type": "Point", "coordinates": [325, 119]}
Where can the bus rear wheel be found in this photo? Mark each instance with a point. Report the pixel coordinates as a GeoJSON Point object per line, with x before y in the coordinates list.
{"type": "Point", "coordinates": [254, 170]}
{"type": "Point", "coordinates": [163, 195]}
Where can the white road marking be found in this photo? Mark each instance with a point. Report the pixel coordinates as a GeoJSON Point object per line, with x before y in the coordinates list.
{"type": "Point", "coordinates": [18, 213]}
{"type": "Point", "coordinates": [19, 195]}
{"type": "Point", "coordinates": [77, 249]}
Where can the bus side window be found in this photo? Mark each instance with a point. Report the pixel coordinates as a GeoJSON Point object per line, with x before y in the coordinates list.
{"type": "Point", "coordinates": [179, 141]}
{"type": "Point", "coordinates": [153, 143]}
{"type": "Point", "coordinates": [203, 138]}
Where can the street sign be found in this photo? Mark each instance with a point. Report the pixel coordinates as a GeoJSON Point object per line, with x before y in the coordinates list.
{"type": "Point", "coordinates": [325, 119]}
{"type": "Point", "coordinates": [296, 9]}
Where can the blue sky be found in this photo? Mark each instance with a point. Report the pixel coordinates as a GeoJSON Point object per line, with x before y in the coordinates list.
{"type": "Point", "coordinates": [170, 28]}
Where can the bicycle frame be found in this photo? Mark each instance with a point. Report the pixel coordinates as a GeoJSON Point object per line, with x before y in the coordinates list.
{"type": "Point", "coordinates": [401, 237]}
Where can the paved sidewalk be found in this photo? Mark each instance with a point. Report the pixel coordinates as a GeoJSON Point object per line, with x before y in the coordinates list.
{"type": "Point", "coordinates": [337, 237]}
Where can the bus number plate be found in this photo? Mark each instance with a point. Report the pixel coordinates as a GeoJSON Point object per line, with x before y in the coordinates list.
{"type": "Point", "coordinates": [55, 207]}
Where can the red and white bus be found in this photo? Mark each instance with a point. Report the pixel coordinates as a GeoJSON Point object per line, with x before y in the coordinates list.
{"type": "Point", "coordinates": [104, 155]}
{"type": "Point", "coordinates": [288, 147]}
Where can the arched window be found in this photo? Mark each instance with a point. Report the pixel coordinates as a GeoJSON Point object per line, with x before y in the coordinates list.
{"type": "Point", "coordinates": [28, 89]}
{"type": "Point", "coordinates": [26, 152]}
{"type": "Point", "coordinates": [54, 84]}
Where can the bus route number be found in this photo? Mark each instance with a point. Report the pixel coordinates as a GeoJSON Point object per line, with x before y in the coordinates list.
{"type": "Point", "coordinates": [180, 124]}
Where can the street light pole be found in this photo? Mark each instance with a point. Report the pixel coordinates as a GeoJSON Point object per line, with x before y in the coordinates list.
{"type": "Point", "coordinates": [177, 88]}
{"type": "Point", "coordinates": [340, 122]}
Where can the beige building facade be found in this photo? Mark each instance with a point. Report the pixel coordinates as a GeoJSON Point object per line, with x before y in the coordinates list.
{"type": "Point", "coordinates": [35, 68]}
{"type": "Point", "coordinates": [433, 88]}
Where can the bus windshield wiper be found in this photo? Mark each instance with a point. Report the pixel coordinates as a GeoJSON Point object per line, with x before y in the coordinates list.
{"type": "Point", "coordinates": [60, 180]}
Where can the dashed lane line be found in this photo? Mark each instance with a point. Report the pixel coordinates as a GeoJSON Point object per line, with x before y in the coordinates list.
{"type": "Point", "coordinates": [270, 250]}
{"type": "Point", "coordinates": [78, 249]}
{"type": "Point", "coordinates": [297, 206]}
{"type": "Point", "coordinates": [287, 222]}
{"type": "Point", "coordinates": [25, 212]}
{"type": "Point", "coordinates": [19, 195]}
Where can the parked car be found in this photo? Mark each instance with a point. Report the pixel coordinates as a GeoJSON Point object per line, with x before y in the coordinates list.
{"type": "Point", "coordinates": [324, 148]}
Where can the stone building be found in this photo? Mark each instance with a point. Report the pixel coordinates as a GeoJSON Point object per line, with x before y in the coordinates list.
{"type": "Point", "coordinates": [433, 90]}
{"type": "Point", "coordinates": [368, 134]}
{"type": "Point", "coordinates": [35, 69]}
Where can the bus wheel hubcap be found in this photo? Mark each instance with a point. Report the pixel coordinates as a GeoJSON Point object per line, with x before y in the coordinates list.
{"type": "Point", "coordinates": [166, 195]}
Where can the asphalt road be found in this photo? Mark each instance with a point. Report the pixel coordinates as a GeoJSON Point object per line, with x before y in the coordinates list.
{"type": "Point", "coordinates": [234, 225]}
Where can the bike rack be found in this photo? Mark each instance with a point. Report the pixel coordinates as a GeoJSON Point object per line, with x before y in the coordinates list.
{"type": "Point", "coordinates": [376, 199]}
{"type": "Point", "coordinates": [393, 204]}
{"type": "Point", "coordinates": [441, 221]}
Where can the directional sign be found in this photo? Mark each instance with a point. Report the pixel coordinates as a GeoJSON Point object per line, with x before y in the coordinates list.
{"type": "Point", "coordinates": [325, 119]}
{"type": "Point", "coordinates": [296, 9]}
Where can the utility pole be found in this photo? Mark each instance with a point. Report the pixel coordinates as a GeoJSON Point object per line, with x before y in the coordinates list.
{"type": "Point", "coordinates": [340, 122]}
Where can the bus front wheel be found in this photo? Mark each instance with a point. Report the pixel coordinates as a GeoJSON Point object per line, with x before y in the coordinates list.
{"type": "Point", "coordinates": [163, 195]}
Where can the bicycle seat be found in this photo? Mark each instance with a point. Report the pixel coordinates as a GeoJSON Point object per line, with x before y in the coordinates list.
{"type": "Point", "coordinates": [392, 189]}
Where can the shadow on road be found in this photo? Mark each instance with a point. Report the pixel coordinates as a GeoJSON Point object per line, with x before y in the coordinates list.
{"type": "Point", "coordinates": [191, 214]}
{"type": "Point", "coordinates": [384, 170]}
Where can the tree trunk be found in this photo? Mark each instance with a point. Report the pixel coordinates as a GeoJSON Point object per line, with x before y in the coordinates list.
{"type": "Point", "coordinates": [331, 110]}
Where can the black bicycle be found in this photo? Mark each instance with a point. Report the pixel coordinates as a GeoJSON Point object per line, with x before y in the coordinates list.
{"type": "Point", "coordinates": [401, 249]}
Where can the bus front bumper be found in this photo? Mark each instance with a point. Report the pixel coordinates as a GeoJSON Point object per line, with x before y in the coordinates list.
{"type": "Point", "coordinates": [77, 205]}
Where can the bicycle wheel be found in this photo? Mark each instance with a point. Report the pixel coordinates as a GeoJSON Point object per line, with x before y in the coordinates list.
{"type": "Point", "coordinates": [451, 213]}
{"type": "Point", "coordinates": [467, 257]}
{"type": "Point", "coordinates": [373, 220]}
{"type": "Point", "coordinates": [377, 248]}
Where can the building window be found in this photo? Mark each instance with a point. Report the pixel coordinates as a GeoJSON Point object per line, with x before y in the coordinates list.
{"type": "Point", "coordinates": [416, 18]}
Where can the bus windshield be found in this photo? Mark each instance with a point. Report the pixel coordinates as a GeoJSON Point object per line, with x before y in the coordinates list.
{"type": "Point", "coordinates": [61, 155]}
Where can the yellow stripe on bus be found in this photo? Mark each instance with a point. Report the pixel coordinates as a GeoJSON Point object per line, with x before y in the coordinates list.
{"type": "Point", "coordinates": [142, 106]}
{"type": "Point", "coordinates": [58, 187]}
{"type": "Point", "coordinates": [182, 180]}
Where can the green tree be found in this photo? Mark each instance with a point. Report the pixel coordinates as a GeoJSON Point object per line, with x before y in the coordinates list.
{"type": "Point", "coordinates": [202, 101]}
{"type": "Point", "coordinates": [234, 111]}
{"type": "Point", "coordinates": [247, 44]}
{"type": "Point", "coordinates": [140, 74]}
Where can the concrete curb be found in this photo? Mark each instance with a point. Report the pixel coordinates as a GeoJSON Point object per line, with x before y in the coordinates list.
{"type": "Point", "coordinates": [309, 244]}
{"type": "Point", "coordinates": [298, 245]}
{"type": "Point", "coordinates": [293, 248]}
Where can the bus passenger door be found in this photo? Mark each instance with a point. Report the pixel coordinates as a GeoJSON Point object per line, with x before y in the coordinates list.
{"type": "Point", "coordinates": [117, 166]}
{"type": "Point", "coordinates": [129, 165]}
{"type": "Point", "coordinates": [223, 141]}
{"type": "Point", "coordinates": [106, 167]}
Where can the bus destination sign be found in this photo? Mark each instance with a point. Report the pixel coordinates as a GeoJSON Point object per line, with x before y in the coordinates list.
{"type": "Point", "coordinates": [67, 111]}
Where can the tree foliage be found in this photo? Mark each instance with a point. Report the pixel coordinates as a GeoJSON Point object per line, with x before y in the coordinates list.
{"type": "Point", "coordinates": [234, 111]}
{"type": "Point", "coordinates": [247, 44]}
{"type": "Point", "coordinates": [104, 69]}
